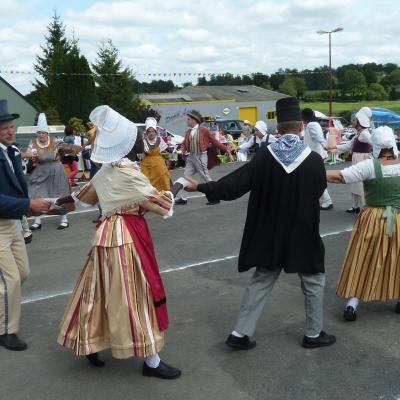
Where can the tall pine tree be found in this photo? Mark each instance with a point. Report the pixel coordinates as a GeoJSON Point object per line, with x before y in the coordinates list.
{"type": "Point", "coordinates": [47, 66]}
{"type": "Point", "coordinates": [116, 84]}
{"type": "Point", "coordinates": [67, 84]}
{"type": "Point", "coordinates": [74, 89]}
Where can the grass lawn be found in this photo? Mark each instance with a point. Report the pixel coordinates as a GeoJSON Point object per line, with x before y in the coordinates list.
{"type": "Point", "coordinates": [323, 106]}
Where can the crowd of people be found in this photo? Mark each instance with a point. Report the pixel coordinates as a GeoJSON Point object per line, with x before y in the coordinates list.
{"type": "Point", "coordinates": [119, 300]}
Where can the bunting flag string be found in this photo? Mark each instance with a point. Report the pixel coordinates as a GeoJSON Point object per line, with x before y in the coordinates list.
{"type": "Point", "coordinates": [158, 74]}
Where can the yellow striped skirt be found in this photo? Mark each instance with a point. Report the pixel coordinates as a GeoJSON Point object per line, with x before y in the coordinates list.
{"type": "Point", "coordinates": [371, 269]}
{"type": "Point", "coordinates": [112, 307]}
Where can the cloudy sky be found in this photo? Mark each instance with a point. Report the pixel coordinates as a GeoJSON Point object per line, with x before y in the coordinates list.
{"type": "Point", "coordinates": [210, 36]}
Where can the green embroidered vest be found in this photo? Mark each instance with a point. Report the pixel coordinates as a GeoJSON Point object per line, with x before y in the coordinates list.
{"type": "Point", "coordinates": [383, 193]}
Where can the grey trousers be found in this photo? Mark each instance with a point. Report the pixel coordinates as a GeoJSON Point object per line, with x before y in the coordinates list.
{"type": "Point", "coordinates": [196, 164]}
{"type": "Point", "coordinates": [255, 298]}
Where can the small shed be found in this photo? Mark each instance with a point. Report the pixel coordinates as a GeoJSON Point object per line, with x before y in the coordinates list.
{"type": "Point", "coordinates": [230, 102]}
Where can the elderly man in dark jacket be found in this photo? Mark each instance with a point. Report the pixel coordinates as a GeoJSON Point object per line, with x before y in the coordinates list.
{"type": "Point", "coordinates": [14, 203]}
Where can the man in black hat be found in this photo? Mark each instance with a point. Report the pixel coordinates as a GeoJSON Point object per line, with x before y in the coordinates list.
{"type": "Point", "coordinates": [285, 181]}
{"type": "Point", "coordinates": [199, 143]}
{"type": "Point", "coordinates": [14, 203]}
{"type": "Point", "coordinates": [314, 138]}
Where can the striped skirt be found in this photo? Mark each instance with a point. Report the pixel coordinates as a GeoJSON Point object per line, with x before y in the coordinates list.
{"type": "Point", "coordinates": [112, 307]}
{"type": "Point", "coordinates": [371, 269]}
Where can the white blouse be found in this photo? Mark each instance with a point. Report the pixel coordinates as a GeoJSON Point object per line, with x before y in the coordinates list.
{"type": "Point", "coordinates": [364, 171]}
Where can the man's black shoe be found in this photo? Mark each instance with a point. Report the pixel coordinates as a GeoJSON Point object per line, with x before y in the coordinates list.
{"type": "Point", "coordinates": [213, 203]}
{"type": "Point", "coordinates": [397, 309]}
{"type": "Point", "coordinates": [28, 239]}
{"type": "Point", "coordinates": [181, 202]}
{"type": "Point", "coordinates": [12, 342]}
{"type": "Point", "coordinates": [95, 360]}
{"type": "Point", "coordinates": [353, 210]}
{"type": "Point", "coordinates": [163, 371]}
{"type": "Point", "coordinates": [349, 314]}
{"type": "Point", "coordinates": [244, 343]}
{"type": "Point", "coordinates": [322, 340]}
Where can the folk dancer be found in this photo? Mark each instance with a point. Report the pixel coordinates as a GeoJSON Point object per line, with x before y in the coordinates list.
{"type": "Point", "coordinates": [361, 149]}
{"type": "Point", "coordinates": [285, 181]}
{"type": "Point", "coordinates": [48, 178]}
{"type": "Point", "coordinates": [371, 269]}
{"type": "Point", "coordinates": [199, 144]}
{"type": "Point", "coordinates": [259, 136]}
{"type": "Point", "coordinates": [153, 164]}
{"type": "Point", "coordinates": [14, 204]}
{"type": "Point", "coordinates": [314, 138]}
{"type": "Point", "coordinates": [119, 300]}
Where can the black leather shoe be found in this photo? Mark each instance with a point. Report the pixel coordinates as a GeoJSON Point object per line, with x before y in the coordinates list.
{"type": "Point", "coordinates": [329, 207]}
{"type": "Point", "coordinates": [350, 314]}
{"type": "Point", "coordinates": [397, 309]}
{"type": "Point", "coordinates": [95, 360]}
{"type": "Point", "coordinates": [244, 343]}
{"type": "Point", "coordinates": [322, 340]}
{"type": "Point", "coordinates": [353, 210]}
{"type": "Point", "coordinates": [181, 202]}
{"type": "Point", "coordinates": [12, 342]}
{"type": "Point", "coordinates": [163, 371]}
{"type": "Point", "coordinates": [213, 203]}
{"type": "Point", "coordinates": [28, 239]}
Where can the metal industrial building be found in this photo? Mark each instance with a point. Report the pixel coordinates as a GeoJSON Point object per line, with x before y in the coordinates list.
{"type": "Point", "coordinates": [231, 102]}
{"type": "Point", "coordinates": [18, 104]}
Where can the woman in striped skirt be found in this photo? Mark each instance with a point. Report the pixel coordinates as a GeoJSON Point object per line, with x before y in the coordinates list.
{"type": "Point", "coordinates": [119, 301]}
{"type": "Point", "coordinates": [371, 269]}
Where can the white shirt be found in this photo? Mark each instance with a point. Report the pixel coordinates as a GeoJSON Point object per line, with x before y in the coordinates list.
{"type": "Point", "coordinates": [4, 149]}
{"type": "Point", "coordinates": [250, 142]}
{"type": "Point", "coordinates": [314, 139]}
{"type": "Point", "coordinates": [364, 136]}
{"type": "Point", "coordinates": [364, 171]}
{"type": "Point", "coordinates": [194, 130]}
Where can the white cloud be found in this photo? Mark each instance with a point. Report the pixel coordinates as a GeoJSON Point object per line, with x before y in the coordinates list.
{"type": "Point", "coordinates": [238, 36]}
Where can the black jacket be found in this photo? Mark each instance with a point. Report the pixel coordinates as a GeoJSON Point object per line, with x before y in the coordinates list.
{"type": "Point", "coordinates": [14, 201]}
{"type": "Point", "coordinates": [282, 224]}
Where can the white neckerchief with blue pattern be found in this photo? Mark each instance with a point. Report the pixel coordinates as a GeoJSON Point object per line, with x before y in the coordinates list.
{"type": "Point", "coordinates": [290, 151]}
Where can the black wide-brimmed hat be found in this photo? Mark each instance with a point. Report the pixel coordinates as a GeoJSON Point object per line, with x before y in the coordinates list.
{"type": "Point", "coordinates": [288, 109]}
{"type": "Point", "coordinates": [195, 115]}
{"type": "Point", "coordinates": [4, 114]}
{"type": "Point", "coordinates": [308, 115]}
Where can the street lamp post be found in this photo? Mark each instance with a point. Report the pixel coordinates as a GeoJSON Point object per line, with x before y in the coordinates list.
{"type": "Point", "coordinates": [329, 33]}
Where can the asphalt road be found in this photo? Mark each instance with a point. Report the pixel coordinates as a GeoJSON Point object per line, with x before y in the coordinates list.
{"type": "Point", "coordinates": [197, 252]}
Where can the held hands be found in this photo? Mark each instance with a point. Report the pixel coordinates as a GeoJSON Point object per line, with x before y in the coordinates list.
{"type": "Point", "coordinates": [192, 186]}
{"type": "Point", "coordinates": [331, 149]}
{"type": "Point", "coordinates": [334, 176]}
{"type": "Point", "coordinates": [39, 206]}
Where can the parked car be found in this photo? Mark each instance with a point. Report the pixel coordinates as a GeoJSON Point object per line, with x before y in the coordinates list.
{"type": "Point", "coordinates": [233, 127]}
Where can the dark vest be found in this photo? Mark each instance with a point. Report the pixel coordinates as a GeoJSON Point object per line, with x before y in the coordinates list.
{"type": "Point", "coordinates": [360, 147]}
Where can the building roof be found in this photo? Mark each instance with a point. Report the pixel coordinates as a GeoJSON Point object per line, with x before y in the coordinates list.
{"type": "Point", "coordinates": [2, 80]}
{"type": "Point", "coordinates": [214, 93]}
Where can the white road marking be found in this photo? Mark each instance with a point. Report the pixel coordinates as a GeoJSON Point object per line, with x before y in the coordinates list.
{"type": "Point", "coordinates": [40, 297]}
